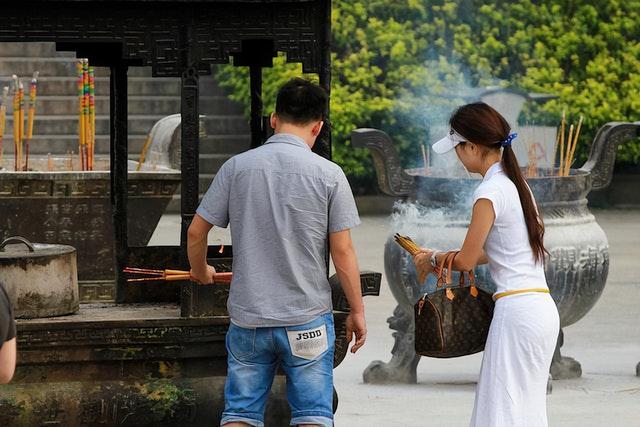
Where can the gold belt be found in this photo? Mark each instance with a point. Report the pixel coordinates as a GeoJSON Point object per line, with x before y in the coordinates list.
{"type": "Point", "coordinates": [520, 291]}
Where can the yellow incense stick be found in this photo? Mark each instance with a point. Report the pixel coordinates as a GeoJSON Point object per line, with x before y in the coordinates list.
{"type": "Point", "coordinates": [3, 118]}
{"type": "Point", "coordinates": [80, 107]}
{"type": "Point", "coordinates": [555, 151]}
{"type": "Point", "coordinates": [87, 117]}
{"type": "Point", "coordinates": [569, 147]}
{"type": "Point", "coordinates": [92, 116]}
{"type": "Point", "coordinates": [562, 125]}
{"type": "Point", "coordinates": [575, 142]}
{"type": "Point", "coordinates": [31, 115]}
{"type": "Point", "coordinates": [16, 125]}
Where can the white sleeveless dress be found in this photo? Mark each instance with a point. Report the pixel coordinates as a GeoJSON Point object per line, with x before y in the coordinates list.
{"type": "Point", "coordinates": [511, 391]}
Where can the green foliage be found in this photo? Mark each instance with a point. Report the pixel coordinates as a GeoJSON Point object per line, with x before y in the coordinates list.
{"type": "Point", "coordinates": [392, 61]}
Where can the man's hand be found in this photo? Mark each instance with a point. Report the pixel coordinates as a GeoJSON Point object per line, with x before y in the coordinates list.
{"type": "Point", "coordinates": [206, 277]}
{"type": "Point", "coordinates": [422, 261]}
{"type": "Point", "coordinates": [356, 325]}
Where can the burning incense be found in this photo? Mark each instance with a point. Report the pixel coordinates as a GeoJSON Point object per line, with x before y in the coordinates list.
{"type": "Point", "coordinates": [3, 118]}
{"type": "Point", "coordinates": [571, 158]}
{"type": "Point", "coordinates": [407, 244]}
{"type": "Point", "coordinates": [555, 151]}
{"type": "Point", "coordinates": [16, 125]}
{"type": "Point", "coordinates": [143, 153]}
{"type": "Point", "coordinates": [21, 119]}
{"type": "Point", "coordinates": [31, 116]}
{"type": "Point", "coordinates": [169, 275]}
{"type": "Point", "coordinates": [92, 115]}
{"type": "Point", "coordinates": [565, 169]}
{"type": "Point", "coordinates": [81, 121]}
{"type": "Point", "coordinates": [425, 159]}
{"type": "Point", "coordinates": [562, 125]}
{"type": "Point", "coordinates": [49, 162]}
{"type": "Point", "coordinates": [87, 117]}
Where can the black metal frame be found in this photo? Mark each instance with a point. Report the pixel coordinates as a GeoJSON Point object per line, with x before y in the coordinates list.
{"type": "Point", "coordinates": [177, 39]}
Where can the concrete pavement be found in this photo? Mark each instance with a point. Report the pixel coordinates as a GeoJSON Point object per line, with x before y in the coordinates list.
{"type": "Point", "coordinates": [606, 342]}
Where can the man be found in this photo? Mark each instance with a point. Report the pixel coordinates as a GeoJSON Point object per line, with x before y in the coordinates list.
{"type": "Point", "coordinates": [7, 339]}
{"type": "Point", "coordinates": [284, 204]}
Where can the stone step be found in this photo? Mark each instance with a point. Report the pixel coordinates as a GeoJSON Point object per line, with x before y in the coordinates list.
{"type": "Point", "coordinates": [166, 105]}
{"type": "Point", "coordinates": [211, 163]}
{"type": "Point", "coordinates": [138, 124]}
{"type": "Point", "coordinates": [225, 144]}
{"type": "Point", "coordinates": [55, 66]}
{"type": "Point", "coordinates": [161, 86]}
{"type": "Point", "coordinates": [25, 49]}
{"type": "Point", "coordinates": [59, 144]}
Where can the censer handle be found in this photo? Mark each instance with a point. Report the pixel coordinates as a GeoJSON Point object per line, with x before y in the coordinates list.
{"type": "Point", "coordinates": [16, 239]}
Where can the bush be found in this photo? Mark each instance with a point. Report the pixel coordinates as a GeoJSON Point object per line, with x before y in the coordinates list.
{"type": "Point", "coordinates": [393, 61]}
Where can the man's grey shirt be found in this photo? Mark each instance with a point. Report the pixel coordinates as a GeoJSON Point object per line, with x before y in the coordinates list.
{"type": "Point", "coordinates": [281, 201]}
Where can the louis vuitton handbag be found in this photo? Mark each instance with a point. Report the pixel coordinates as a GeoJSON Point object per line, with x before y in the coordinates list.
{"type": "Point", "coordinates": [454, 320]}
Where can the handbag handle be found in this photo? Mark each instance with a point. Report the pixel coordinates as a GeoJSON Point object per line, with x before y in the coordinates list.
{"type": "Point", "coordinates": [446, 278]}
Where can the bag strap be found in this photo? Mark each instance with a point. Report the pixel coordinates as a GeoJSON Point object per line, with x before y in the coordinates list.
{"type": "Point", "coordinates": [445, 278]}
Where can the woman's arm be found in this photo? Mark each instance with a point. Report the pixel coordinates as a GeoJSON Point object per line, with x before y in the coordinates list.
{"type": "Point", "coordinates": [472, 252]}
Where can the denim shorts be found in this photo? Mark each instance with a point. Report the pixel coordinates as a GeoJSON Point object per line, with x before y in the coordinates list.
{"type": "Point", "coordinates": [305, 354]}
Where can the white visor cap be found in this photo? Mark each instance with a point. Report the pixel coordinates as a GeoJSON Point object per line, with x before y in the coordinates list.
{"type": "Point", "coordinates": [448, 143]}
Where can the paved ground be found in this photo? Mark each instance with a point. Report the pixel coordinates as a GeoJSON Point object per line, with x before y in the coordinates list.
{"type": "Point", "coordinates": [606, 342]}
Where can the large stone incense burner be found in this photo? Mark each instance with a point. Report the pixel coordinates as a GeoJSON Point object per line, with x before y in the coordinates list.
{"type": "Point", "coordinates": [436, 212]}
{"type": "Point", "coordinates": [74, 207]}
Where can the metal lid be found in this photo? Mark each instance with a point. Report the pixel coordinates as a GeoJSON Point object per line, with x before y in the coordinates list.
{"type": "Point", "coordinates": [19, 247]}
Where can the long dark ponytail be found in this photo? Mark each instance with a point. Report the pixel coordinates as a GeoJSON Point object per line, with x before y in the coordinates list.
{"type": "Point", "coordinates": [483, 125]}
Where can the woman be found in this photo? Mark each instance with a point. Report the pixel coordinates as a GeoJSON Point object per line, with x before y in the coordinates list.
{"type": "Point", "coordinates": [506, 232]}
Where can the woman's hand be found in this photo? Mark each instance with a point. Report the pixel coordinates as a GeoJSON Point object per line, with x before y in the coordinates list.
{"type": "Point", "coordinates": [422, 261]}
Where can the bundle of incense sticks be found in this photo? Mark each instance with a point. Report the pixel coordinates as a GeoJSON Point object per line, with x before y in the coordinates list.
{"type": "Point", "coordinates": [3, 117]}
{"type": "Point", "coordinates": [169, 275]}
{"type": "Point", "coordinates": [33, 89]}
{"type": "Point", "coordinates": [86, 113]}
{"type": "Point", "coordinates": [407, 244]}
{"type": "Point", "coordinates": [568, 152]}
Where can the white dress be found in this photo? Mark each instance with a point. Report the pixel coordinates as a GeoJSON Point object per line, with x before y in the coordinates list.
{"type": "Point", "coordinates": [511, 391]}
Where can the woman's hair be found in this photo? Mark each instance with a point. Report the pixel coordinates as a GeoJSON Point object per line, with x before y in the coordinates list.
{"type": "Point", "coordinates": [481, 124]}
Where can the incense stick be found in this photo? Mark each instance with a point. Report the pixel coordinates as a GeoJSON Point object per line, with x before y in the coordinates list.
{"type": "Point", "coordinates": [16, 128]}
{"type": "Point", "coordinates": [576, 137]}
{"type": "Point", "coordinates": [425, 159]}
{"type": "Point", "coordinates": [562, 125]}
{"type": "Point", "coordinates": [555, 152]}
{"type": "Point", "coordinates": [21, 121]}
{"type": "Point", "coordinates": [81, 121]}
{"type": "Point", "coordinates": [31, 115]}
{"type": "Point", "coordinates": [3, 118]}
{"type": "Point", "coordinates": [569, 148]}
{"type": "Point", "coordinates": [92, 115]}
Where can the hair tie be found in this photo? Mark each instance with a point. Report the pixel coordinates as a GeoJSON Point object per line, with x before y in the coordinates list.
{"type": "Point", "coordinates": [508, 140]}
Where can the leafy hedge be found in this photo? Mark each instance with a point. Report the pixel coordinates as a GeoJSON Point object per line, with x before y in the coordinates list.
{"type": "Point", "coordinates": [394, 60]}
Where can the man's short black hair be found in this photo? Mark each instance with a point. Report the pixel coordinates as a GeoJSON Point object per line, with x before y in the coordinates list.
{"type": "Point", "coordinates": [300, 102]}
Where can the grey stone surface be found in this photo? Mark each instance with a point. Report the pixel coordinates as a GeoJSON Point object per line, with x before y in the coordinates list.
{"type": "Point", "coordinates": [606, 341]}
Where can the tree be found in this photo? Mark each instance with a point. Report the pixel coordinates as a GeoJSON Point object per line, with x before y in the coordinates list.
{"type": "Point", "coordinates": [398, 65]}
